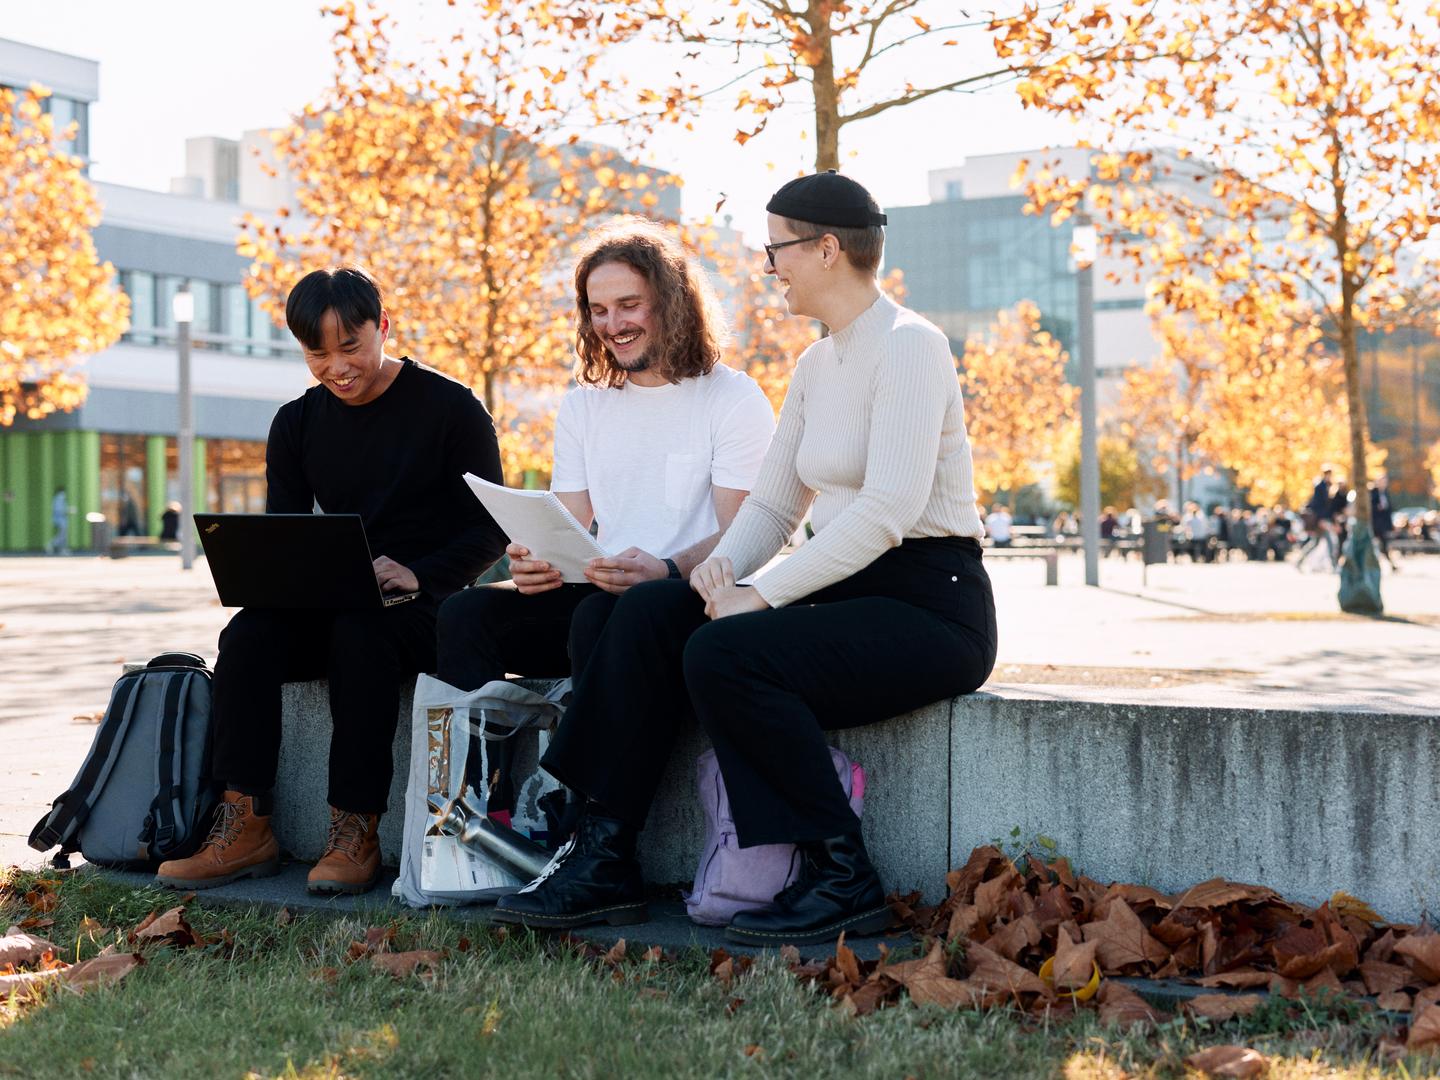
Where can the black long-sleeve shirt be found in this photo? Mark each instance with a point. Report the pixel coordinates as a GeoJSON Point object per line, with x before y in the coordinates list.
{"type": "Point", "coordinates": [398, 462]}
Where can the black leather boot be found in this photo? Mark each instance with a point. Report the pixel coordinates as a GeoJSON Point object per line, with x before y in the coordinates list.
{"type": "Point", "coordinates": [837, 890]}
{"type": "Point", "coordinates": [593, 878]}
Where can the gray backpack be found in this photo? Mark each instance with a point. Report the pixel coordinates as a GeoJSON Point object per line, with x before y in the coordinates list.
{"type": "Point", "coordinates": [144, 793]}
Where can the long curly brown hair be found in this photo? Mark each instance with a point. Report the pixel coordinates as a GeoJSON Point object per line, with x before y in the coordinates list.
{"type": "Point", "coordinates": [691, 331]}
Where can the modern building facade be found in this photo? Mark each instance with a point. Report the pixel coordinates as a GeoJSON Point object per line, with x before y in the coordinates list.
{"type": "Point", "coordinates": [116, 455]}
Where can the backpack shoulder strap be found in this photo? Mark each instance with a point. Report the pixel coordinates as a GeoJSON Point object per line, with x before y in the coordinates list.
{"type": "Point", "coordinates": [70, 810]}
{"type": "Point", "coordinates": [163, 820]}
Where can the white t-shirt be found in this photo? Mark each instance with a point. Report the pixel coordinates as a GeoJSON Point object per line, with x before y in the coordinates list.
{"type": "Point", "coordinates": [998, 525]}
{"type": "Point", "coordinates": [649, 455]}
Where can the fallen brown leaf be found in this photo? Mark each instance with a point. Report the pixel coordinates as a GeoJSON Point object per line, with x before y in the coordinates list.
{"type": "Point", "coordinates": [1343, 904]}
{"type": "Point", "coordinates": [1217, 892]}
{"type": "Point", "coordinates": [616, 953]}
{"type": "Point", "coordinates": [1074, 963]}
{"type": "Point", "coordinates": [1425, 998]}
{"type": "Point", "coordinates": [91, 928]}
{"type": "Point", "coordinates": [1229, 1061]}
{"type": "Point", "coordinates": [1425, 1031]}
{"type": "Point", "coordinates": [169, 926]}
{"type": "Point", "coordinates": [402, 964]}
{"type": "Point", "coordinates": [962, 883]}
{"type": "Point", "coordinates": [1382, 948]}
{"type": "Point", "coordinates": [105, 969]}
{"type": "Point", "coordinates": [1122, 941]}
{"type": "Point", "coordinates": [1394, 1000]}
{"type": "Point", "coordinates": [994, 974]}
{"type": "Point", "coordinates": [964, 923]}
{"type": "Point", "coordinates": [19, 949]}
{"type": "Point", "coordinates": [1422, 951]}
{"type": "Point", "coordinates": [284, 917]}
{"type": "Point", "coordinates": [1015, 937]}
{"type": "Point", "coordinates": [21, 981]}
{"type": "Point", "coordinates": [992, 897]}
{"type": "Point", "coordinates": [846, 963]}
{"type": "Point", "coordinates": [1122, 1006]}
{"type": "Point", "coordinates": [1223, 1007]}
{"type": "Point", "coordinates": [790, 955]}
{"type": "Point", "coordinates": [1380, 977]}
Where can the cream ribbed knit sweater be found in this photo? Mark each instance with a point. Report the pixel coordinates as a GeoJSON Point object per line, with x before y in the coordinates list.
{"type": "Point", "coordinates": [873, 431]}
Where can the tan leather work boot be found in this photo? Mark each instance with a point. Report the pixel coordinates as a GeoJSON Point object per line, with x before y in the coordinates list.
{"type": "Point", "coordinates": [351, 861]}
{"type": "Point", "coordinates": [240, 845]}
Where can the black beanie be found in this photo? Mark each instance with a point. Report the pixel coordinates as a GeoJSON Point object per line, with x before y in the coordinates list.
{"type": "Point", "coordinates": [827, 198]}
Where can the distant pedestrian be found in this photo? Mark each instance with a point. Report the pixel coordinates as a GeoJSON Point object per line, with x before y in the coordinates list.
{"type": "Point", "coordinates": [998, 524]}
{"type": "Point", "coordinates": [60, 523]}
{"type": "Point", "coordinates": [129, 515]}
{"type": "Point", "coordinates": [1381, 518]}
{"type": "Point", "coordinates": [1320, 520]}
{"type": "Point", "coordinates": [170, 522]}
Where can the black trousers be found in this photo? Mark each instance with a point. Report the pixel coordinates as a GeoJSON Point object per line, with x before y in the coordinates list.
{"type": "Point", "coordinates": [914, 627]}
{"type": "Point", "coordinates": [367, 657]}
{"type": "Point", "coordinates": [486, 632]}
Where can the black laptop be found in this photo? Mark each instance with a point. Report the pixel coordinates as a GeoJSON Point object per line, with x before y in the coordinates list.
{"type": "Point", "coordinates": [292, 561]}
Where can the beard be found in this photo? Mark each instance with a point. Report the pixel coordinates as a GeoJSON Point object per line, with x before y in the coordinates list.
{"type": "Point", "coordinates": [637, 363]}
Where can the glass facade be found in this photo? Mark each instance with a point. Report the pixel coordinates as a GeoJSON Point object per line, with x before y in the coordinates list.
{"type": "Point", "coordinates": [964, 260]}
{"type": "Point", "coordinates": [222, 311]}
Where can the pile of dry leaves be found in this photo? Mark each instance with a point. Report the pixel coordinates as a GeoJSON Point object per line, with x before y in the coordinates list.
{"type": "Point", "coordinates": [986, 943]}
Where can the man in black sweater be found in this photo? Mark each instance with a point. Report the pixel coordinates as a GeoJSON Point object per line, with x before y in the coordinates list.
{"type": "Point", "coordinates": [390, 440]}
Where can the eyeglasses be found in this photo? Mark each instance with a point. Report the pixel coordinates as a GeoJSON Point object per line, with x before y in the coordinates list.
{"type": "Point", "coordinates": [770, 249]}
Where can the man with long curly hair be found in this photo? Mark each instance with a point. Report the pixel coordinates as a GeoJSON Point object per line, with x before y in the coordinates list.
{"type": "Point", "coordinates": [659, 443]}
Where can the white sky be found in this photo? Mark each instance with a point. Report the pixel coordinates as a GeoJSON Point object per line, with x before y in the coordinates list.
{"type": "Point", "coordinates": [172, 69]}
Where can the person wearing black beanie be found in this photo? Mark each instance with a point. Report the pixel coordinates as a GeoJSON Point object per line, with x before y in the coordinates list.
{"type": "Point", "coordinates": [886, 609]}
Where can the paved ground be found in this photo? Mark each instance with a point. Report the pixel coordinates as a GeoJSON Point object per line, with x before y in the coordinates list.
{"type": "Point", "coordinates": [1260, 632]}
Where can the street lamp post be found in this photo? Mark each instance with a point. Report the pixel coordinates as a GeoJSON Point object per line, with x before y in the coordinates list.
{"type": "Point", "coordinates": [184, 309]}
{"type": "Point", "coordinates": [1084, 245]}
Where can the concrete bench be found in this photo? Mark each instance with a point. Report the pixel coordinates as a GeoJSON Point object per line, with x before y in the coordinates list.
{"type": "Point", "coordinates": [1051, 555]}
{"type": "Point", "coordinates": [1148, 789]}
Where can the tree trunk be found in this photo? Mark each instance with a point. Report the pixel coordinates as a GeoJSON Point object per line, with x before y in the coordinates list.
{"type": "Point", "coordinates": [1349, 350]}
{"type": "Point", "coordinates": [827, 95]}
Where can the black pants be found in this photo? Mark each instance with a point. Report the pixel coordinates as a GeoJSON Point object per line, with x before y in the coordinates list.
{"type": "Point", "coordinates": [366, 655]}
{"type": "Point", "coordinates": [914, 627]}
{"type": "Point", "coordinates": [487, 632]}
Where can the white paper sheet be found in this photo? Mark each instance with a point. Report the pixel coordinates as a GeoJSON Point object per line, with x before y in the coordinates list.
{"type": "Point", "coordinates": [539, 521]}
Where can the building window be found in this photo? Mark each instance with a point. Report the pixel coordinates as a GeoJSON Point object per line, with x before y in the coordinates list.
{"type": "Point", "coordinates": [139, 286]}
{"type": "Point", "coordinates": [235, 474]}
{"type": "Point", "coordinates": [122, 483]}
{"type": "Point", "coordinates": [65, 112]}
{"type": "Point", "coordinates": [234, 315]}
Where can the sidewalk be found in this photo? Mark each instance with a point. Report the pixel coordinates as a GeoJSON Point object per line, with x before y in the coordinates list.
{"type": "Point", "coordinates": [1196, 633]}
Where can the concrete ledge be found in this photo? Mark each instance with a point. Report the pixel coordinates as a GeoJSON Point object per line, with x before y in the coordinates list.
{"type": "Point", "coordinates": [1306, 801]}
{"type": "Point", "coordinates": [1150, 789]}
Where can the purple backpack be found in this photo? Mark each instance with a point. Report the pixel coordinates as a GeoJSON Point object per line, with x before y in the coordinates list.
{"type": "Point", "coordinates": [731, 878]}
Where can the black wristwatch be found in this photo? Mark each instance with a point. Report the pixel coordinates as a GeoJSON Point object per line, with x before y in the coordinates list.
{"type": "Point", "coordinates": [674, 570]}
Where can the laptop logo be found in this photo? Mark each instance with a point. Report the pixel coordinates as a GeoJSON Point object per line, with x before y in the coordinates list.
{"type": "Point", "coordinates": [212, 527]}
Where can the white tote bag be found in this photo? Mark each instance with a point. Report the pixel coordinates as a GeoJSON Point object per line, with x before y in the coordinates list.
{"type": "Point", "coordinates": [434, 868]}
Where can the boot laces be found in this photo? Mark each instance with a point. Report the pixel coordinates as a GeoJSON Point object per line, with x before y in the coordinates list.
{"type": "Point", "coordinates": [347, 833]}
{"type": "Point", "coordinates": [551, 866]}
{"type": "Point", "coordinates": [226, 827]}
{"type": "Point", "coordinates": [804, 878]}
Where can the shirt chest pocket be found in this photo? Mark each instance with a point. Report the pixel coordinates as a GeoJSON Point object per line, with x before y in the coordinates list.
{"type": "Point", "coordinates": [687, 480]}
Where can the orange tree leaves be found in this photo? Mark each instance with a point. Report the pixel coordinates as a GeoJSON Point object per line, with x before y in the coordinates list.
{"type": "Point", "coordinates": [849, 62]}
{"type": "Point", "coordinates": [1017, 401]}
{"type": "Point", "coordinates": [58, 301]}
{"type": "Point", "coordinates": [1280, 152]}
{"type": "Point", "coordinates": [455, 184]}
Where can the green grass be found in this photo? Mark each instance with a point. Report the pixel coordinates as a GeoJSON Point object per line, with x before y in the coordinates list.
{"type": "Point", "coordinates": [516, 1006]}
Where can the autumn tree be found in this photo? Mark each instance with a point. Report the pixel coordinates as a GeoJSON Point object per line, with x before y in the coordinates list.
{"type": "Point", "coordinates": [1163, 407]}
{"type": "Point", "coordinates": [454, 182]}
{"type": "Point", "coordinates": [1277, 146]}
{"type": "Point", "coordinates": [1277, 409]}
{"type": "Point", "coordinates": [58, 301]}
{"type": "Point", "coordinates": [1124, 479]}
{"type": "Point", "coordinates": [1017, 401]}
{"type": "Point", "coordinates": [846, 61]}
{"type": "Point", "coordinates": [1432, 467]}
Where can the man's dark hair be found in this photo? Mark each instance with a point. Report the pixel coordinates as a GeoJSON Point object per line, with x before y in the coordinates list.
{"type": "Point", "coordinates": [691, 330]}
{"type": "Point", "coordinates": [347, 290]}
